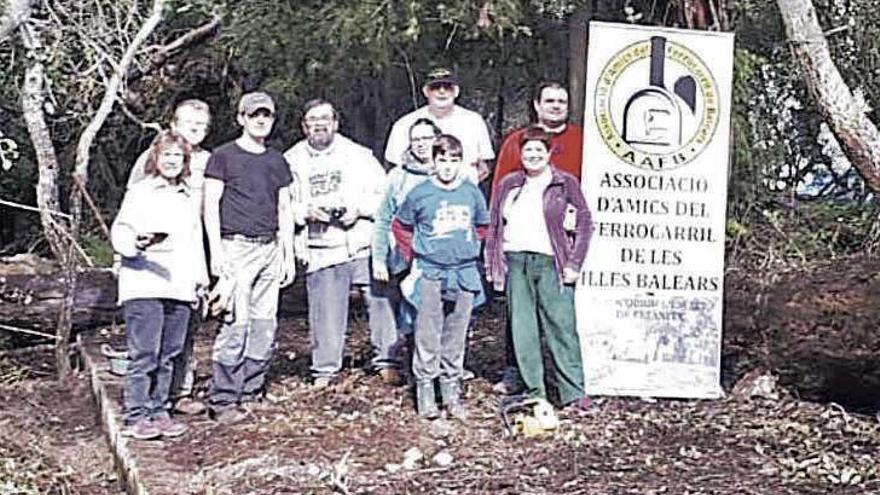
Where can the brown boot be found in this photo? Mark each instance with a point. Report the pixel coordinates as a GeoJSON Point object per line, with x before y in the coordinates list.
{"type": "Point", "coordinates": [391, 376]}
{"type": "Point", "coordinates": [188, 405]}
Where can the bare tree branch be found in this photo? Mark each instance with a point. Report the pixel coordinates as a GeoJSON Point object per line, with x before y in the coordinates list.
{"type": "Point", "coordinates": [33, 95]}
{"type": "Point", "coordinates": [161, 53]}
{"type": "Point", "coordinates": [112, 87]}
{"type": "Point", "coordinates": [196, 35]}
{"type": "Point", "coordinates": [845, 112]}
{"type": "Point", "coordinates": [155, 126]}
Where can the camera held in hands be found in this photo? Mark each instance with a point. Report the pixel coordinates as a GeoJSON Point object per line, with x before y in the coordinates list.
{"type": "Point", "coordinates": [317, 229]}
{"type": "Point", "coordinates": [335, 213]}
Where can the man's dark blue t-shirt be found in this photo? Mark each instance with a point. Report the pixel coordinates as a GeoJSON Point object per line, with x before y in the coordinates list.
{"type": "Point", "coordinates": [249, 205]}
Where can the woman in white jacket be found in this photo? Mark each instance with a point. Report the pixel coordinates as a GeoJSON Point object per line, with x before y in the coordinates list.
{"type": "Point", "coordinates": [158, 233]}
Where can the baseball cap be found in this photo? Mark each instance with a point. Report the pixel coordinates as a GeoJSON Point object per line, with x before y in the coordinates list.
{"type": "Point", "coordinates": [251, 102]}
{"type": "Point", "coordinates": [440, 75]}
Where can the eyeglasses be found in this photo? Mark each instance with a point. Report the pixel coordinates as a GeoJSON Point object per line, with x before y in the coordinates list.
{"type": "Point", "coordinates": [421, 139]}
{"type": "Point", "coordinates": [441, 85]}
{"type": "Point", "coordinates": [318, 119]}
{"type": "Point", "coordinates": [261, 112]}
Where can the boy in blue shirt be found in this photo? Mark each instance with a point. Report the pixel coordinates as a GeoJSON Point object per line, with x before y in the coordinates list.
{"type": "Point", "coordinates": [440, 225]}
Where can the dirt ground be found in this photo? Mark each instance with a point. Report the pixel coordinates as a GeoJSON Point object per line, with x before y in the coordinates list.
{"type": "Point", "coordinates": [814, 331]}
{"type": "Point", "coordinates": [52, 443]}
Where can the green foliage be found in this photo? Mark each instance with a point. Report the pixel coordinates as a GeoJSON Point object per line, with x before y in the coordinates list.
{"type": "Point", "coordinates": [98, 249]}
{"type": "Point", "coordinates": [369, 56]}
{"type": "Point", "coordinates": [745, 180]}
{"type": "Point", "coordinates": [802, 232]}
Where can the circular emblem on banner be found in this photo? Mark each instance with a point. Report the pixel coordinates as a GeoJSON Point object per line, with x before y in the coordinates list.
{"type": "Point", "coordinates": [656, 104]}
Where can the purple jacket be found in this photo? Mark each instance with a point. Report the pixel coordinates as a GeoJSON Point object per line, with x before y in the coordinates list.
{"type": "Point", "coordinates": [563, 190]}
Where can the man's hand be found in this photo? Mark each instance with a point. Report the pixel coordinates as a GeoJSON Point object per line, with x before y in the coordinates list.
{"type": "Point", "coordinates": [380, 272]}
{"type": "Point", "coordinates": [200, 305]}
{"type": "Point", "coordinates": [349, 217]}
{"type": "Point", "coordinates": [316, 214]}
{"type": "Point", "coordinates": [570, 276]}
{"type": "Point", "coordinates": [288, 272]}
{"type": "Point", "coordinates": [219, 266]}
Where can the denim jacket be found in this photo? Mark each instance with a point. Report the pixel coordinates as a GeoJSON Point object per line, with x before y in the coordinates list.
{"type": "Point", "coordinates": [564, 190]}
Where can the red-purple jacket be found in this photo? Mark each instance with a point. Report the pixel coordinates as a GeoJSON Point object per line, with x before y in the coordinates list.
{"type": "Point", "coordinates": [563, 190]}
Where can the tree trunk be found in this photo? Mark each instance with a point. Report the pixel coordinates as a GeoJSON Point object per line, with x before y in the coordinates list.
{"type": "Point", "coordinates": [577, 60]}
{"type": "Point", "coordinates": [33, 96]}
{"type": "Point", "coordinates": [845, 113]}
{"type": "Point", "coordinates": [36, 301]}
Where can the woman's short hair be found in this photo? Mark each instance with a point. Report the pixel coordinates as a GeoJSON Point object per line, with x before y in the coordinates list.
{"type": "Point", "coordinates": [535, 133]}
{"type": "Point", "coordinates": [447, 145]}
{"type": "Point", "coordinates": [425, 121]}
{"type": "Point", "coordinates": [164, 140]}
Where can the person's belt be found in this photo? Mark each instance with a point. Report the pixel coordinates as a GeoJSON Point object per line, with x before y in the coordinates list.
{"type": "Point", "coordinates": [256, 239]}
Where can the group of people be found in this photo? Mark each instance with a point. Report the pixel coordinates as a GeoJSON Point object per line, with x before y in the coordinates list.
{"type": "Point", "coordinates": [417, 242]}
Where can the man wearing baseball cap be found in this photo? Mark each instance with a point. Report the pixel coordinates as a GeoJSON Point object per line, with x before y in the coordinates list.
{"type": "Point", "coordinates": [441, 88]}
{"type": "Point", "coordinates": [250, 233]}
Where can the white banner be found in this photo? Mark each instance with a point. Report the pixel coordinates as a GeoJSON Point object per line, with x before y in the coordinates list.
{"type": "Point", "coordinates": [656, 127]}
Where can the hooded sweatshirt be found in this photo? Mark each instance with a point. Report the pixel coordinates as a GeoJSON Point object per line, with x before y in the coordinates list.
{"type": "Point", "coordinates": [344, 175]}
{"type": "Point", "coordinates": [401, 180]}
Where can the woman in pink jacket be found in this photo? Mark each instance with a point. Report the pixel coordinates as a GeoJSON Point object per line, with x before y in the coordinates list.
{"type": "Point", "coordinates": [531, 253]}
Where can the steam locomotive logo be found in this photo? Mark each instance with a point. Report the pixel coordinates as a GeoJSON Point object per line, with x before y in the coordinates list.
{"type": "Point", "coordinates": [656, 104]}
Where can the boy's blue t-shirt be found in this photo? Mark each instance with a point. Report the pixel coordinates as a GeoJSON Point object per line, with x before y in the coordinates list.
{"type": "Point", "coordinates": [444, 222]}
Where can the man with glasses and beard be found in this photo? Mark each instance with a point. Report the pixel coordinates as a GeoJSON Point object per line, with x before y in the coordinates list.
{"type": "Point", "coordinates": [441, 89]}
{"type": "Point", "coordinates": [337, 187]}
{"type": "Point", "coordinates": [250, 232]}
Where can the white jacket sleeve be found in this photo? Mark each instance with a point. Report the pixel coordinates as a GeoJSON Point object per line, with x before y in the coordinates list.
{"type": "Point", "coordinates": [199, 249]}
{"type": "Point", "coordinates": [372, 186]}
{"type": "Point", "coordinates": [299, 206]}
{"type": "Point", "coordinates": [123, 233]}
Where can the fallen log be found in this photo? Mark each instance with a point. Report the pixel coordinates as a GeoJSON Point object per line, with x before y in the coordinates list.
{"type": "Point", "coordinates": [33, 301]}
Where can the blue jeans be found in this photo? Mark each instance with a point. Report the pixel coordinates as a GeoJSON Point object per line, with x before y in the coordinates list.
{"type": "Point", "coordinates": [155, 330]}
{"type": "Point", "coordinates": [328, 290]}
{"type": "Point", "coordinates": [184, 380]}
{"type": "Point", "coordinates": [440, 333]}
{"type": "Point", "coordinates": [244, 347]}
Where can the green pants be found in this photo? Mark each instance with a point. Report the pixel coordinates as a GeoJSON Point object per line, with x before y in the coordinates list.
{"type": "Point", "coordinates": [536, 301]}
